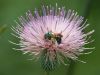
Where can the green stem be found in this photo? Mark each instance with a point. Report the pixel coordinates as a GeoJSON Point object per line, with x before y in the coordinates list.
{"type": "Point", "coordinates": [70, 68]}
{"type": "Point", "coordinates": [47, 73]}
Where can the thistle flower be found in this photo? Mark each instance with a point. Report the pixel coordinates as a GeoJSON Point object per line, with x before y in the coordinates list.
{"type": "Point", "coordinates": [53, 36]}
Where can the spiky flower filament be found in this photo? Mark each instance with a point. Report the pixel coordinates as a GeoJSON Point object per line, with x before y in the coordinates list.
{"type": "Point", "coordinates": [52, 35]}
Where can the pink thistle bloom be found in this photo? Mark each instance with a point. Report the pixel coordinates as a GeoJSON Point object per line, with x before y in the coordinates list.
{"type": "Point", "coordinates": [52, 36]}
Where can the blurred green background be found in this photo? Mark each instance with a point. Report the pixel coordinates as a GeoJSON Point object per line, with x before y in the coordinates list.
{"type": "Point", "coordinates": [15, 63]}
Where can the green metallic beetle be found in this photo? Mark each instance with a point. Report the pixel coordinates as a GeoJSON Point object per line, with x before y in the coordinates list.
{"type": "Point", "coordinates": [53, 36]}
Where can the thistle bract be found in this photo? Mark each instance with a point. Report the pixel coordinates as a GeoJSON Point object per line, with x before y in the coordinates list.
{"type": "Point", "coordinates": [52, 36]}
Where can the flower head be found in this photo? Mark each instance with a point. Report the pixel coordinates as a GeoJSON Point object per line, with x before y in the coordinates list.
{"type": "Point", "coordinates": [52, 36]}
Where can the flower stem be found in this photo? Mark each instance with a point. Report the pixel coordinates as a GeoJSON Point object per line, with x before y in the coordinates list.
{"type": "Point", "coordinates": [70, 68]}
{"type": "Point", "coordinates": [47, 73]}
